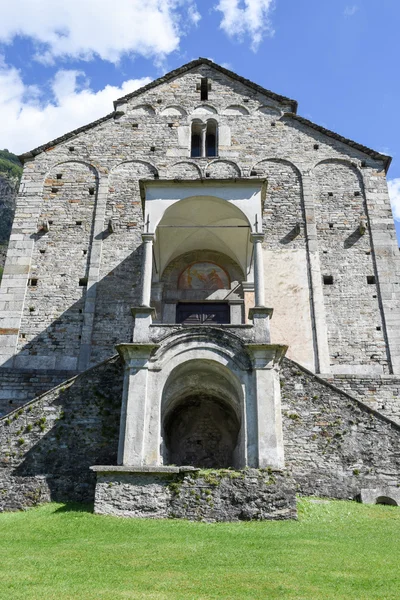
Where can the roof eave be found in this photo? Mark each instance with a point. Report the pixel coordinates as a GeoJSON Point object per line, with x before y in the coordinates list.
{"type": "Point", "coordinates": [364, 149]}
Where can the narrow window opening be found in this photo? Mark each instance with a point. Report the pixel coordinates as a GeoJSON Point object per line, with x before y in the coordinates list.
{"type": "Point", "coordinates": [170, 124]}
{"type": "Point", "coordinates": [368, 252]}
{"type": "Point", "coordinates": [356, 193]}
{"type": "Point", "coordinates": [71, 148]}
{"type": "Point", "coordinates": [330, 194]}
{"type": "Point", "coordinates": [211, 139]}
{"type": "Point", "coordinates": [135, 125]}
{"type": "Point", "coordinates": [378, 328]}
{"type": "Point", "coordinates": [316, 146]}
{"type": "Point", "coordinates": [328, 279]}
{"type": "Point", "coordinates": [42, 250]}
{"type": "Point", "coordinates": [51, 222]}
{"type": "Point", "coordinates": [204, 88]}
{"type": "Point", "coordinates": [363, 164]}
{"type": "Point", "coordinates": [59, 176]}
{"type": "Point", "coordinates": [33, 282]}
{"type": "Point", "coordinates": [84, 252]}
{"type": "Point", "coordinates": [79, 222]}
{"type": "Point", "coordinates": [31, 309]}
{"type": "Point", "coordinates": [196, 140]}
{"type": "Point", "coordinates": [272, 123]}
{"type": "Point", "coordinates": [370, 279]}
{"type": "Point", "coordinates": [152, 148]}
{"type": "Point", "coordinates": [91, 191]}
{"type": "Point", "coordinates": [253, 173]}
{"type": "Point", "coordinates": [374, 296]}
{"type": "Point", "coordinates": [83, 281]}
{"type": "Point", "coordinates": [330, 225]}
{"type": "Point", "coordinates": [54, 190]}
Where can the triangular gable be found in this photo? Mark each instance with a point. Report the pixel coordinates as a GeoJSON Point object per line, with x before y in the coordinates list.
{"type": "Point", "coordinates": [184, 69]}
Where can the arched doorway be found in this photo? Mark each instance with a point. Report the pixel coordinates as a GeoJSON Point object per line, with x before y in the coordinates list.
{"type": "Point", "coordinates": [202, 431]}
{"type": "Point", "coordinates": [201, 416]}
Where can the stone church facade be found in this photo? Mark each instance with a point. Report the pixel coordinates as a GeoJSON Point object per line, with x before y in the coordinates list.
{"type": "Point", "coordinates": [204, 231]}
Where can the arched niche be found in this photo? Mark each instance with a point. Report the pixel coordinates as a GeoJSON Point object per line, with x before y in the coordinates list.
{"type": "Point", "coordinates": [173, 111]}
{"type": "Point", "coordinates": [340, 208]}
{"type": "Point", "coordinates": [142, 109]}
{"type": "Point", "coordinates": [235, 110]}
{"type": "Point", "coordinates": [201, 416]}
{"type": "Point", "coordinates": [284, 226]}
{"type": "Point", "coordinates": [204, 109]}
{"type": "Point", "coordinates": [268, 111]}
{"type": "Point", "coordinates": [60, 257]}
{"type": "Point", "coordinates": [223, 169]}
{"type": "Point", "coordinates": [386, 500]}
{"type": "Point", "coordinates": [123, 201]}
{"type": "Point", "coordinates": [185, 170]}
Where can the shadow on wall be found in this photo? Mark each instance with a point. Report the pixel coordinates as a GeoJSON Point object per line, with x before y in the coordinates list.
{"type": "Point", "coordinates": [59, 437]}
{"type": "Point", "coordinates": [115, 294]}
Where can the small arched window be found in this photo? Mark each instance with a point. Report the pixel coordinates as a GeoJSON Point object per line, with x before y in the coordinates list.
{"type": "Point", "coordinates": [196, 140]}
{"type": "Point", "coordinates": [211, 138]}
{"type": "Point", "coordinates": [204, 139]}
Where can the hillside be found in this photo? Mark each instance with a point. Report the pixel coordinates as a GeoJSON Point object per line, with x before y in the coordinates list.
{"type": "Point", "coordinates": [10, 175]}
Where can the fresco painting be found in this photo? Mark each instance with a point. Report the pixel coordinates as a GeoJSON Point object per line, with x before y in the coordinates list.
{"type": "Point", "coordinates": [204, 276]}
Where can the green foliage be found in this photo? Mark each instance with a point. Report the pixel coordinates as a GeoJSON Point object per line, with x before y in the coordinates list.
{"type": "Point", "coordinates": [10, 164]}
{"type": "Point", "coordinates": [336, 550]}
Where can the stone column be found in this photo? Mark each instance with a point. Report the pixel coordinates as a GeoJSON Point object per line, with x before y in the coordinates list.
{"type": "Point", "coordinates": [147, 268]}
{"type": "Point", "coordinates": [259, 290]}
{"type": "Point", "coordinates": [134, 430]}
{"type": "Point", "coordinates": [267, 394]}
{"type": "Point", "coordinates": [203, 139]}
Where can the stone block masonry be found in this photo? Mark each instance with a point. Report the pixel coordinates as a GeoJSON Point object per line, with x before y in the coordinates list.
{"type": "Point", "coordinates": [215, 495]}
{"type": "Point", "coordinates": [335, 446]}
{"type": "Point", "coordinates": [73, 267]}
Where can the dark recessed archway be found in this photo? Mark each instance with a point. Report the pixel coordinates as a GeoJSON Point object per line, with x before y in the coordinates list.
{"type": "Point", "coordinates": [386, 500]}
{"type": "Point", "coordinates": [202, 431]}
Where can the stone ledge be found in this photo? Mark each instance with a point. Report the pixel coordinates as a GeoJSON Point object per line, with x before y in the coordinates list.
{"type": "Point", "coordinates": [138, 469]}
{"type": "Point", "coordinates": [212, 495]}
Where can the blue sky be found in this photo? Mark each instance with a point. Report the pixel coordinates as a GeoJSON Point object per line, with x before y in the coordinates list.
{"type": "Point", "coordinates": [62, 63]}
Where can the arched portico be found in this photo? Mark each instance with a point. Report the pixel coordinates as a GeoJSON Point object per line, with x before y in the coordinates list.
{"type": "Point", "coordinates": [200, 387]}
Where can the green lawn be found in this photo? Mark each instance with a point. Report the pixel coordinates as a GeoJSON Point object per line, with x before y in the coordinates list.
{"type": "Point", "coordinates": [336, 550]}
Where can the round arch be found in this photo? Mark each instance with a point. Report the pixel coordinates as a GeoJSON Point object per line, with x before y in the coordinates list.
{"type": "Point", "coordinates": [201, 415]}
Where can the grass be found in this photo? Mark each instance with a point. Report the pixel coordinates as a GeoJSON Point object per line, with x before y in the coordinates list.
{"type": "Point", "coordinates": [337, 550]}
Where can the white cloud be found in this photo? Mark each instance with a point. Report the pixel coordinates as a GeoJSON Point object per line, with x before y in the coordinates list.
{"type": "Point", "coordinates": [84, 28]}
{"type": "Point", "coordinates": [394, 193]}
{"type": "Point", "coordinates": [247, 17]}
{"type": "Point", "coordinates": [349, 11]}
{"type": "Point", "coordinates": [26, 121]}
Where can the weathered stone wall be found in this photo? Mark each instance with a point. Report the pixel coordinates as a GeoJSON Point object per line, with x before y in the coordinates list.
{"type": "Point", "coordinates": [380, 393]}
{"type": "Point", "coordinates": [48, 445]}
{"type": "Point", "coordinates": [19, 387]}
{"type": "Point", "coordinates": [334, 445]}
{"type": "Point", "coordinates": [355, 330]}
{"type": "Point", "coordinates": [149, 137]}
{"type": "Point", "coordinates": [247, 495]}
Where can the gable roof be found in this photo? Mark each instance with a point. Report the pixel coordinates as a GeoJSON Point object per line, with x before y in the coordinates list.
{"type": "Point", "coordinates": [336, 136]}
{"type": "Point", "coordinates": [206, 61]}
{"type": "Point", "coordinates": [184, 69]}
